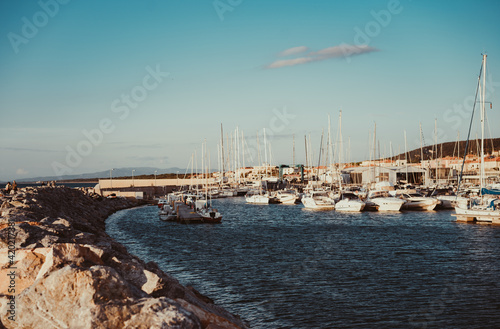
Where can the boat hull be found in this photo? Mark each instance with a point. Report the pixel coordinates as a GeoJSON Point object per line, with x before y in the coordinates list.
{"type": "Point", "coordinates": [388, 204]}
{"type": "Point", "coordinates": [350, 206]}
{"type": "Point", "coordinates": [477, 214]}
{"type": "Point", "coordinates": [421, 204]}
{"type": "Point", "coordinates": [318, 204]}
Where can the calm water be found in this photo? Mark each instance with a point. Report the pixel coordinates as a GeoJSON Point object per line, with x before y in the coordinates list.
{"type": "Point", "coordinates": [286, 267]}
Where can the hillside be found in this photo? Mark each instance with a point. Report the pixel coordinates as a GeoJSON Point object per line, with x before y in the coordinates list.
{"type": "Point", "coordinates": [451, 149]}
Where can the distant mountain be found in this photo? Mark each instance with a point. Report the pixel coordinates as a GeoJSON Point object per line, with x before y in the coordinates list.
{"type": "Point", "coordinates": [117, 172]}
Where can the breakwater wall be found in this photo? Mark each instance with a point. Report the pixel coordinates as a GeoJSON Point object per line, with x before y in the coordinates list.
{"type": "Point", "coordinates": [59, 269]}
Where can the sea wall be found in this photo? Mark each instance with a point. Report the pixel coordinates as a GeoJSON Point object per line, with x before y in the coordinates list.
{"type": "Point", "coordinates": [59, 268]}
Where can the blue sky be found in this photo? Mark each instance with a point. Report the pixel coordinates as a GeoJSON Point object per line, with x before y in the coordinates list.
{"type": "Point", "coordinates": [196, 64]}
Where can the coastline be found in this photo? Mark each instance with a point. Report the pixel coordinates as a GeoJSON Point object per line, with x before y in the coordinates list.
{"type": "Point", "coordinates": [67, 272]}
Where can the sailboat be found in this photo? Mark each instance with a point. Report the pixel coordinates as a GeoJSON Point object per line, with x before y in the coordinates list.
{"type": "Point", "coordinates": [259, 197]}
{"type": "Point", "coordinates": [486, 208]}
{"type": "Point", "coordinates": [207, 213]}
{"type": "Point", "coordinates": [347, 201]}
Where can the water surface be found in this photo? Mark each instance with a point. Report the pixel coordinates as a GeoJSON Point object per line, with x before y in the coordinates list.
{"type": "Point", "coordinates": [283, 266]}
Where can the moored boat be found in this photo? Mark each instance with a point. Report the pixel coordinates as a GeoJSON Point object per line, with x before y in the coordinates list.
{"type": "Point", "coordinates": [318, 200]}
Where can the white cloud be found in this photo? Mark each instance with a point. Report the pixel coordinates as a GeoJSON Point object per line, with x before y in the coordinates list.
{"type": "Point", "coordinates": [21, 171]}
{"type": "Point", "coordinates": [289, 62]}
{"type": "Point", "coordinates": [343, 50]}
{"type": "Point", "coordinates": [293, 51]}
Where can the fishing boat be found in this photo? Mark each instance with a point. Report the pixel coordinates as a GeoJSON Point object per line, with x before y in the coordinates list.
{"type": "Point", "coordinates": [484, 208]}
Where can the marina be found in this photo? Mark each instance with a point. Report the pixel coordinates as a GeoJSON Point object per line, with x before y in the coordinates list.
{"type": "Point", "coordinates": [283, 266]}
{"type": "Point", "coordinates": [235, 164]}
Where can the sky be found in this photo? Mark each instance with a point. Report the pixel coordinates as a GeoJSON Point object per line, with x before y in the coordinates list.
{"type": "Point", "coordinates": [87, 86]}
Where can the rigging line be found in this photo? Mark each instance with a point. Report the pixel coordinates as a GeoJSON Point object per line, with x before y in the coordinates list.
{"type": "Point", "coordinates": [470, 127]}
{"type": "Point", "coordinates": [489, 133]}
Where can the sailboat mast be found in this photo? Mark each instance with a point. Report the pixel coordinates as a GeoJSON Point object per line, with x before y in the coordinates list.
{"type": "Point", "coordinates": [319, 159]}
{"type": "Point", "coordinates": [305, 145]}
{"type": "Point", "coordinates": [265, 149]}
{"type": "Point", "coordinates": [482, 102]}
{"type": "Point", "coordinates": [375, 152]}
{"type": "Point", "coordinates": [436, 149]}
{"type": "Point", "coordinates": [421, 147]}
{"type": "Point", "coordinates": [406, 160]}
{"type": "Point", "coordinates": [222, 150]}
{"type": "Point", "coordinates": [340, 150]}
{"type": "Point", "coordinates": [243, 151]}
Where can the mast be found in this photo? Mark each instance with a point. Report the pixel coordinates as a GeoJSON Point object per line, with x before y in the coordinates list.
{"type": "Point", "coordinates": [374, 152]}
{"type": "Point", "coordinates": [328, 142]}
{"type": "Point", "coordinates": [340, 153]}
{"type": "Point", "coordinates": [349, 149]}
{"type": "Point", "coordinates": [293, 152]}
{"type": "Point", "coordinates": [319, 159]}
{"type": "Point", "coordinates": [243, 151]}
{"type": "Point", "coordinates": [305, 145]}
{"type": "Point", "coordinates": [421, 147]}
{"type": "Point", "coordinates": [265, 149]}
{"type": "Point", "coordinates": [222, 150]}
{"type": "Point", "coordinates": [482, 102]}
{"type": "Point", "coordinates": [406, 160]}
{"type": "Point", "coordinates": [436, 149]}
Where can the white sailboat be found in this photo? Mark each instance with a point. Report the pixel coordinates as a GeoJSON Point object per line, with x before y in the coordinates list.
{"type": "Point", "coordinates": [484, 209]}
{"type": "Point", "coordinates": [378, 197]}
{"type": "Point", "coordinates": [347, 201]}
{"type": "Point", "coordinates": [259, 197]}
{"type": "Point", "coordinates": [206, 211]}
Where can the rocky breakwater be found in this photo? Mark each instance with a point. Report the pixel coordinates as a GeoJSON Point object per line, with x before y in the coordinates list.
{"type": "Point", "coordinates": [59, 269]}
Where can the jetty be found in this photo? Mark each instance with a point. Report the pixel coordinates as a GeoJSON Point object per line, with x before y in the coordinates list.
{"type": "Point", "coordinates": [54, 245]}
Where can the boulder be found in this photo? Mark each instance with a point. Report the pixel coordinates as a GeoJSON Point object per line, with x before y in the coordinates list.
{"type": "Point", "coordinates": [71, 274]}
{"type": "Point", "coordinates": [72, 297]}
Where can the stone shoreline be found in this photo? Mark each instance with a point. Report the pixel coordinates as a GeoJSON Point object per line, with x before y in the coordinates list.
{"type": "Point", "coordinates": [68, 273]}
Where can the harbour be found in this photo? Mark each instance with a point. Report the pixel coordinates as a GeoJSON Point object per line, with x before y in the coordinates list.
{"type": "Point", "coordinates": [235, 164]}
{"type": "Point", "coordinates": [283, 266]}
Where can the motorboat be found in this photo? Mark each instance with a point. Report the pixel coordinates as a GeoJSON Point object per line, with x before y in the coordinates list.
{"type": "Point", "coordinates": [382, 201]}
{"type": "Point", "coordinates": [449, 200]}
{"type": "Point", "coordinates": [349, 202]}
{"type": "Point", "coordinates": [167, 213]}
{"type": "Point", "coordinates": [319, 200]}
{"type": "Point", "coordinates": [416, 201]}
{"type": "Point", "coordinates": [287, 197]}
{"type": "Point", "coordinates": [256, 197]}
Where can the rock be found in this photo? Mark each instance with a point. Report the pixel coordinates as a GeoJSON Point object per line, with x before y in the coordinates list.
{"type": "Point", "coordinates": [71, 297]}
{"type": "Point", "coordinates": [207, 318]}
{"type": "Point", "coordinates": [71, 274]}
